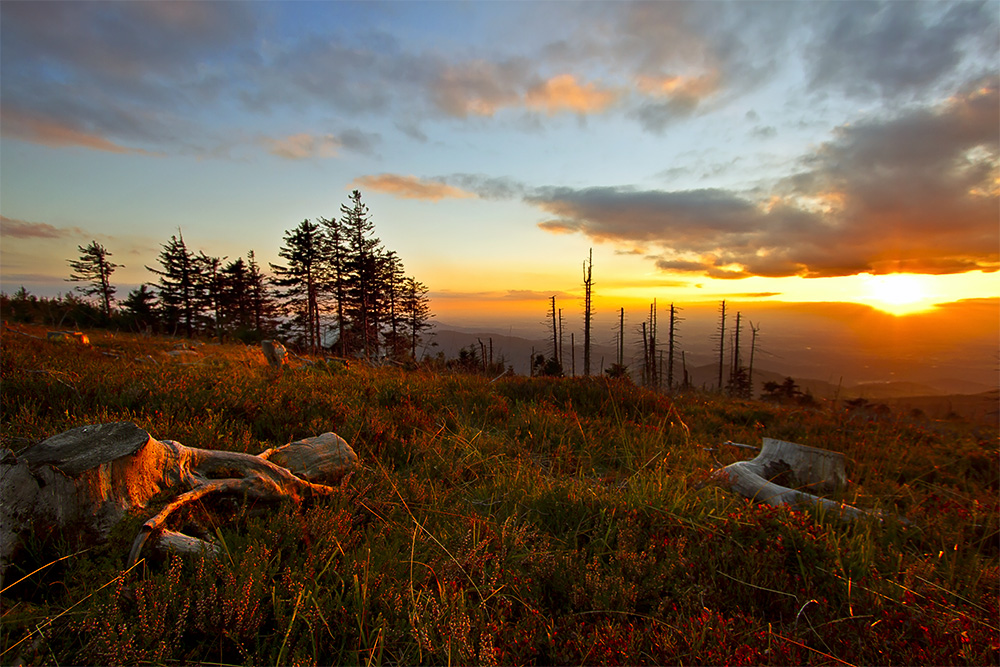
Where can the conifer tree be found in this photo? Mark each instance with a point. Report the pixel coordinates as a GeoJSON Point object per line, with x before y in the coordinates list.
{"type": "Point", "coordinates": [393, 279]}
{"type": "Point", "coordinates": [181, 286]}
{"type": "Point", "coordinates": [302, 277]}
{"type": "Point", "coordinates": [415, 312]}
{"type": "Point", "coordinates": [337, 274]}
{"type": "Point", "coordinates": [140, 308]}
{"type": "Point", "coordinates": [95, 268]}
{"type": "Point", "coordinates": [362, 273]}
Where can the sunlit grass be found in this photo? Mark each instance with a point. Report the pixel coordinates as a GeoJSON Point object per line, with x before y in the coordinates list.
{"type": "Point", "coordinates": [519, 521]}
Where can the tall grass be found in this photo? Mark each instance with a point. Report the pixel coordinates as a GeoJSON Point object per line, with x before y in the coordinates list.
{"type": "Point", "coordinates": [547, 521]}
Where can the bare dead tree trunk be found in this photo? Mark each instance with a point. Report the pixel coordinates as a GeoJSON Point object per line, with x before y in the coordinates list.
{"type": "Point", "coordinates": [671, 346]}
{"type": "Point", "coordinates": [722, 342]}
{"type": "Point", "coordinates": [89, 478]}
{"type": "Point", "coordinates": [555, 331]}
{"type": "Point", "coordinates": [621, 337]}
{"type": "Point", "coordinates": [559, 357]}
{"type": "Point", "coordinates": [587, 314]}
{"type": "Point", "coordinates": [753, 348]}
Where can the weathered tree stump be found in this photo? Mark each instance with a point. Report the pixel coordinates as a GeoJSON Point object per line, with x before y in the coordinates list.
{"type": "Point", "coordinates": [88, 479]}
{"type": "Point", "coordinates": [800, 466]}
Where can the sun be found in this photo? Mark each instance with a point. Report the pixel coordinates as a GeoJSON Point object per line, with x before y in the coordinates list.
{"type": "Point", "coordinates": [899, 293]}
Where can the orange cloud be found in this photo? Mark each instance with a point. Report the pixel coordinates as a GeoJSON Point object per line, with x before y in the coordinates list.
{"type": "Point", "coordinates": [563, 93]}
{"type": "Point", "coordinates": [411, 187]}
{"type": "Point", "coordinates": [303, 146]}
{"type": "Point", "coordinates": [39, 130]}
{"type": "Point", "coordinates": [22, 229]}
{"type": "Point", "coordinates": [481, 88]}
{"type": "Point", "coordinates": [691, 87]}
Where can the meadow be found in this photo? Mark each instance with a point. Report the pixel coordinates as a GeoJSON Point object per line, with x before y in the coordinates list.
{"type": "Point", "coordinates": [502, 521]}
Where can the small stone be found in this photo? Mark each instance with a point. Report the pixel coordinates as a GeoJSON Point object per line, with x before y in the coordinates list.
{"type": "Point", "coordinates": [274, 352]}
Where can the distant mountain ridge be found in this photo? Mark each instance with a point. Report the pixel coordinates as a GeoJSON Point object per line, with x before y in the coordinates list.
{"type": "Point", "coordinates": [517, 351]}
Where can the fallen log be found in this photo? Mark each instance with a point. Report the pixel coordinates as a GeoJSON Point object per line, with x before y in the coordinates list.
{"type": "Point", "coordinates": [799, 466]}
{"type": "Point", "coordinates": [86, 480]}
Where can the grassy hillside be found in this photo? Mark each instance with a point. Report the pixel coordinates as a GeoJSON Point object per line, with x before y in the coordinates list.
{"type": "Point", "coordinates": [525, 520]}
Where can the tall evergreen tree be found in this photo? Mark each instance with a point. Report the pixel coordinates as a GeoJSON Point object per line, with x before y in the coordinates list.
{"type": "Point", "coordinates": [393, 281]}
{"type": "Point", "coordinates": [415, 312]}
{"type": "Point", "coordinates": [233, 298]}
{"type": "Point", "coordinates": [337, 275]}
{"type": "Point", "coordinates": [211, 293]}
{"type": "Point", "coordinates": [140, 308]}
{"type": "Point", "coordinates": [261, 300]}
{"type": "Point", "coordinates": [302, 278]}
{"type": "Point", "coordinates": [181, 286]}
{"type": "Point", "coordinates": [95, 268]}
{"type": "Point", "coordinates": [245, 302]}
{"type": "Point", "coordinates": [362, 274]}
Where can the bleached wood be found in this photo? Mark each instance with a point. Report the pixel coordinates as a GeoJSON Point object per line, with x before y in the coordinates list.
{"type": "Point", "coordinates": [809, 468]}
{"type": "Point", "coordinates": [89, 478]}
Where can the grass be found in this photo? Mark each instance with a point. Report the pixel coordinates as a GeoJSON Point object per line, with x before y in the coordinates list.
{"type": "Point", "coordinates": [542, 521]}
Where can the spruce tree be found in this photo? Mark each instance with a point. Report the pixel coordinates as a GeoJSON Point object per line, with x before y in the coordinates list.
{"type": "Point", "coordinates": [415, 312]}
{"type": "Point", "coordinates": [181, 286]}
{"type": "Point", "coordinates": [361, 274]}
{"type": "Point", "coordinates": [95, 268]}
{"type": "Point", "coordinates": [302, 278]}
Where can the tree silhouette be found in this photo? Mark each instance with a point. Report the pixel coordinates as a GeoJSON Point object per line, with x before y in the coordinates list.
{"type": "Point", "coordinates": [362, 274]}
{"type": "Point", "coordinates": [140, 308]}
{"type": "Point", "coordinates": [95, 268]}
{"type": "Point", "coordinates": [415, 312]}
{"type": "Point", "coordinates": [301, 278]}
{"type": "Point", "coordinates": [181, 286]}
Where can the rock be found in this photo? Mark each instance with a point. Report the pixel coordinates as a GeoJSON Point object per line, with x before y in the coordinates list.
{"type": "Point", "coordinates": [321, 459]}
{"type": "Point", "coordinates": [274, 352]}
{"type": "Point", "coordinates": [183, 353]}
{"type": "Point", "coordinates": [68, 337]}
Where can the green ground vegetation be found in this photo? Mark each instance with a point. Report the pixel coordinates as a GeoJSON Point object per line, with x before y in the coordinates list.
{"type": "Point", "coordinates": [515, 521]}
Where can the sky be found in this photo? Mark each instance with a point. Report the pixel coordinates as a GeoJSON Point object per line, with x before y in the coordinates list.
{"type": "Point", "coordinates": [770, 153]}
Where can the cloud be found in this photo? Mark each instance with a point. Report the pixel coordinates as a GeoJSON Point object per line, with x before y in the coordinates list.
{"type": "Point", "coordinates": [157, 73]}
{"type": "Point", "coordinates": [303, 146]}
{"type": "Point", "coordinates": [672, 97]}
{"type": "Point", "coordinates": [49, 132]}
{"type": "Point", "coordinates": [118, 72]}
{"type": "Point", "coordinates": [411, 187]}
{"type": "Point", "coordinates": [21, 229]}
{"type": "Point", "coordinates": [488, 187]}
{"type": "Point", "coordinates": [915, 192]}
{"type": "Point", "coordinates": [896, 48]}
{"type": "Point", "coordinates": [479, 87]}
{"type": "Point", "coordinates": [563, 92]}
{"type": "Point", "coordinates": [359, 141]}
{"type": "Point", "coordinates": [511, 295]}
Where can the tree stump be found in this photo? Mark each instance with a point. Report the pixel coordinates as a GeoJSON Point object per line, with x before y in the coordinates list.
{"type": "Point", "coordinates": [798, 466]}
{"type": "Point", "coordinates": [89, 478]}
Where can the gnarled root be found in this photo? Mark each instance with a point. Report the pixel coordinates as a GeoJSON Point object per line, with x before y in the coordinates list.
{"type": "Point", "coordinates": [90, 478]}
{"type": "Point", "coordinates": [808, 467]}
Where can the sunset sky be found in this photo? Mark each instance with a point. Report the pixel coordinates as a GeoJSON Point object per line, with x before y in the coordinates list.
{"type": "Point", "coordinates": [756, 151]}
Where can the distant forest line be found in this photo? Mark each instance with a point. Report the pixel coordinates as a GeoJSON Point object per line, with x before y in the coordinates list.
{"type": "Point", "coordinates": [338, 288]}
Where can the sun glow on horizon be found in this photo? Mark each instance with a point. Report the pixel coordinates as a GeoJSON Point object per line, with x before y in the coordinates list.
{"type": "Point", "coordinates": [900, 293]}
